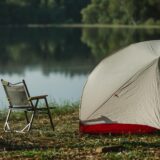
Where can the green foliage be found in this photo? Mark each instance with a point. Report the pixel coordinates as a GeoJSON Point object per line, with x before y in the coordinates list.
{"type": "Point", "coordinates": [40, 11]}
{"type": "Point", "coordinates": [121, 11]}
{"type": "Point", "coordinates": [66, 108]}
{"type": "Point", "coordinates": [91, 14]}
{"type": "Point", "coordinates": [150, 21]}
{"type": "Point", "coordinates": [70, 11]}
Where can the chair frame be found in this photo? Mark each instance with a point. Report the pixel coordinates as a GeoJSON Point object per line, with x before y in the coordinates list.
{"type": "Point", "coordinates": [33, 107]}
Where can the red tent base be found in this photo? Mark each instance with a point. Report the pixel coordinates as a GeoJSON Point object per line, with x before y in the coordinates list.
{"type": "Point", "coordinates": [116, 129]}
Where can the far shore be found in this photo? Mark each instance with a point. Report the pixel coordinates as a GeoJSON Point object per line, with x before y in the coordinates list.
{"type": "Point", "coordinates": [140, 26]}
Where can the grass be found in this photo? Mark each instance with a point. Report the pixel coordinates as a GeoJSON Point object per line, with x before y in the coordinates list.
{"type": "Point", "coordinates": [66, 143]}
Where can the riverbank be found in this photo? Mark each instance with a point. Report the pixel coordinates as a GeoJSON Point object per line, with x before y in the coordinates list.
{"type": "Point", "coordinates": [80, 25]}
{"type": "Point", "coordinates": [66, 142]}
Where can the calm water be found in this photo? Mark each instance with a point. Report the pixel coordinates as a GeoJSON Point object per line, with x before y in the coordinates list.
{"type": "Point", "coordinates": [57, 61]}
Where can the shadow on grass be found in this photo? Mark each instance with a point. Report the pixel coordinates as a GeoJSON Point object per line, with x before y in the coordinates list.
{"type": "Point", "coordinates": [141, 144]}
{"type": "Point", "coordinates": [126, 140]}
{"type": "Point", "coordinates": [12, 146]}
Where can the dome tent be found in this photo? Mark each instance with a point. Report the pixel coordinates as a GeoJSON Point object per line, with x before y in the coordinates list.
{"type": "Point", "coordinates": [122, 94]}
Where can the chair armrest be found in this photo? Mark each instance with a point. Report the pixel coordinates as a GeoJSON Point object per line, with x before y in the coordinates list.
{"type": "Point", "coordinates": [37, 97]}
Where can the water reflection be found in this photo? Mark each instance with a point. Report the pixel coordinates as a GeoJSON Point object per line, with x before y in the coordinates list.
{"type": "Point", "coordinates": [57, 61]}
{"type": "Point", "coordinates": [48, 48]}
{"type": "Point", "coordinates": [52, 61]}
{"type": "Point", "coordinates": [104, 42]}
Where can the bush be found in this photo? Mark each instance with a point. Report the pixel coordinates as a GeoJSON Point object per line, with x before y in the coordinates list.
{"type": "Point", "coordinates": [150, 21]}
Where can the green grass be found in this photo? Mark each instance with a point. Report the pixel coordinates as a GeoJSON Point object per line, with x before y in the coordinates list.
{"type": "Point", "coordinates": [66, 142]}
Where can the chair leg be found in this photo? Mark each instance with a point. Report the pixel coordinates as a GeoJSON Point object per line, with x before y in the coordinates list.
{"type": "Point", "coordinates": [50, 117]}
{"type": "Point", "coordinates": [31, 121]}
{"type": "Point", "coordinates": [49, 114]}
{"type": "Point", "coordinates": [27, 128]}
{"type": "Point", "coordinates": [6, 124]}
{"type": "Point", "coordinates": [25, 112]}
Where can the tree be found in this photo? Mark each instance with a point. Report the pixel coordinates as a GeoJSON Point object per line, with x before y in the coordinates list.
{"type": "Point", "coordinates": [41, 11]}
{"type": "Point", "coordinates": [121, 11]}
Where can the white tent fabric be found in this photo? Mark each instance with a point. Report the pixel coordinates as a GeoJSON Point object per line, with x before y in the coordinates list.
{"type": "Point", "coordinates": [125, 88]}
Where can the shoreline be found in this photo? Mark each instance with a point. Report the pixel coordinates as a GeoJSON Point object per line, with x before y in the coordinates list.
{"type": "Point", "coordinates": [141, 26]}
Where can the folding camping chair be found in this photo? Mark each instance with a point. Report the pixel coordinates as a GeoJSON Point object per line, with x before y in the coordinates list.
{"type": "Point", "coordinates": [19, 99]}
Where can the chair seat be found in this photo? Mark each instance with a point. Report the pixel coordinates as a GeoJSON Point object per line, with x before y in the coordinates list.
{"type": "Point", "coordinates": [20, 107]}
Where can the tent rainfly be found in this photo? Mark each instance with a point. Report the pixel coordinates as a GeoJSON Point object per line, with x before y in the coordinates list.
{"type": "Point", "coordinates": [122, 94]}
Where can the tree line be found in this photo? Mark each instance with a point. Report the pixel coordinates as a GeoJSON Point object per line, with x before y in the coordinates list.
{"type": "Point", "coordinates": [80, 11]}
{"type": "Point", "coordinates": [41, 11]}
{"type": "Point", "coordinates": [122, 12]}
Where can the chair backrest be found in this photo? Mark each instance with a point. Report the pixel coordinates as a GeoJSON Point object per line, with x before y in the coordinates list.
{"type": "Point", "coordinates": [17, 94]}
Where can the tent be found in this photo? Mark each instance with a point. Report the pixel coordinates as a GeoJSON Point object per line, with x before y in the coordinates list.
{"type": "Point", "coordinates": [122, 94]}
